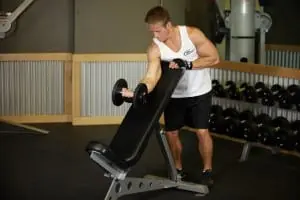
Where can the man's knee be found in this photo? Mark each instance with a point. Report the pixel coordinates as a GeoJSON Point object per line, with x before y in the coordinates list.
{"type": "Point", "coordinates": [202, 133]}
{"type": "Point", "coordinates": [172, 134]}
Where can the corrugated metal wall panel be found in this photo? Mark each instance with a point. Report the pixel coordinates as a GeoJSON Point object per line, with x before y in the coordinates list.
{"type": "Point", "coordinates": [240, 77]}
{"type": "Point", "coordinates": [97, 80]}
{"type": "Point", "coordinates": [31, 88]}
{"type": "Point", "coordinates": [290, 59]}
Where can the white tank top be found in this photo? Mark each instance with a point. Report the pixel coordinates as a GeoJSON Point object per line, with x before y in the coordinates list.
{"type": "Point", "coordinates": [194, 82]}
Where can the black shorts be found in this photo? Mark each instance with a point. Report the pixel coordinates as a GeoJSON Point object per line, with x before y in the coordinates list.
{"type": "Point", "coordinates": [191, 111]}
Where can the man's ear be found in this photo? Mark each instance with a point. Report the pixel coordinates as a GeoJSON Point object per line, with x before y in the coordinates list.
{"type": "Point", "coordinates": [168, 24]}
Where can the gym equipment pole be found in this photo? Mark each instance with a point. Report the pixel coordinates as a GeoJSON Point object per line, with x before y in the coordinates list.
{"type": "Point", "coordinates": [242, 42]}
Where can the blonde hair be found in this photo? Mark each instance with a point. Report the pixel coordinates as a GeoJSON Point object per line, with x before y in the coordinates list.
{"type": "Point", "coordinates": [157, 14]}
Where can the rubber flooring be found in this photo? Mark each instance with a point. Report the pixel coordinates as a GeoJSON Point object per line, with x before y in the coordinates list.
{"type": "Point", "coordinates": [56, 166]}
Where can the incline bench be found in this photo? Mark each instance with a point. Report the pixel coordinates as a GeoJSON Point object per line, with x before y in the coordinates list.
{"type": "Point", "coordinates": [131, 139]}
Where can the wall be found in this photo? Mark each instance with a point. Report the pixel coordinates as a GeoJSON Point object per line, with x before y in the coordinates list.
{"type": "Point", "coordinates": [117, 26]}
{"type": "Point", "coordinates": [46, 26]}
{"type": "Point", "coordinates": [200, 13]}
{"type": "Point", "coordinates": [285, 16]}
{"type": "Point", "coordinates": [113, 26]}
{"type": "Point", "coordinates": [79, 26]}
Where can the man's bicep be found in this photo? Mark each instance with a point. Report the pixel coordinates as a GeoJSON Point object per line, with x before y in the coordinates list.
{"type": "Point", "coordinates": [153, 68]}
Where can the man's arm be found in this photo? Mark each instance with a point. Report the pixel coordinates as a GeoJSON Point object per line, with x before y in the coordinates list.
{"type": "Point", "coordinates": [208, 53]}
{"type": "Point", "coordinates": [153, 73]}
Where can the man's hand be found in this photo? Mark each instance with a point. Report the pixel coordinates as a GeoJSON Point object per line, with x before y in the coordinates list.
{"type": "Point", "coordinates": [179, 63]}
{"type": "Point", "coordinates": [127, 93]}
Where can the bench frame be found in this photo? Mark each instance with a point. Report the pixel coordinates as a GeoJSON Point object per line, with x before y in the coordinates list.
{"type": "Point", "coordinates": [122, 185]}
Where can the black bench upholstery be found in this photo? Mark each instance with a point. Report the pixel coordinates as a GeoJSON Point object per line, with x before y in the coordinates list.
{"type": "Point", "coordinates": [133, 134]}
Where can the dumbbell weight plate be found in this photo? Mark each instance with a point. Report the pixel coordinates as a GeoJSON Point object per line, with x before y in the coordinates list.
{"type": "Point", "coordinates": [231, 127]}
{"type": "Point", "coordinates": [277, 91]}
{"type": "Point", "coordinates": [231, 113]}
{"type": "Point", "coordinates": [216, 110]}
{"type": "Point", "coordinates": [259, 88]}
{"type": "Point", "coordinates": [285, 101]}
{"type": "Point", "coordinates": [246, 115]}
{"type": "Point", "coordinates": [140, 95]}
{"type": "Point", "coordinates": [249, 131]}
{"type": "Point", "coordinates": [293, 90]}
{"type": "Point", "coordinates": [288, 140]}
{"type": "Point", "coordinates": [117, 97]}
{"type": "Point", "coordinates": [266, 135]}
{"type": "Point", "coordinates": [250, 94]}
{"type": "Point", "coordinates": [263, 119]}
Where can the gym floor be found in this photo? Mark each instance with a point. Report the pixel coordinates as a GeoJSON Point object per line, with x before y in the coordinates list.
{"type": "Point", "coordinates": [56, 166]}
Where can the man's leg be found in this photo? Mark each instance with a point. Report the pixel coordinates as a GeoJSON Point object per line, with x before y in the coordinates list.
{"type": "Point", "coordinates": [205, 146]}
{"type": "Point", "coordinates": [175, 147]}
{"type": "Point", "coordinates": [174, 120]}
{"type": "Point", "coordinates": [198, 112]}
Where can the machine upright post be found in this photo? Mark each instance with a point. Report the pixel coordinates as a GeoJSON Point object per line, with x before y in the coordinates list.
{"type": "Point", "coordinates": [242, 25]}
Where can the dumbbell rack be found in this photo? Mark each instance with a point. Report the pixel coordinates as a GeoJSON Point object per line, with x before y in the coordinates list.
{"type": "Point", "coordinates": [251, 73]}
{"type": "Point", "coordinates": [247, 148]}
{"type": "Point", "coordinates": [257, 108]}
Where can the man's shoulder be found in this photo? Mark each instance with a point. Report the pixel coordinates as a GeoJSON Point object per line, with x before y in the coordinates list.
{"type": "Point", "coordinates": [153, 46]}
{"type": "Point", "coordinates": [193, 29]}
{"type": "Point", "coordinates": [194, 33]}
{"type": "Point", "coordinates": [153, 49]}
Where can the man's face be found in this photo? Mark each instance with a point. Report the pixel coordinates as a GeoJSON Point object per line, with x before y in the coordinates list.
{"type": "Point", "coordinates": [160, 31]}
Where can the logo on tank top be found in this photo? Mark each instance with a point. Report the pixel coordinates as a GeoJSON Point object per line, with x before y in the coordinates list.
{"type": "Point", "coordinates": [188, 52]}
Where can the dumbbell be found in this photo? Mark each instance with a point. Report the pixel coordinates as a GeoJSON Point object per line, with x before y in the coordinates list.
{"type": "Point", "coordinates": [277, 91]}
{"type": "Point", "coordinates": [250, 94]}
{"type": "Point", "coordinates": [216, 119]}
{"type": "Point", "coordinates": [241, 89]}
{"type": "Point", "coordinates": [272, 132]}
{"type": "Point", "coordinates": [231, 90]}
{"type": "Point", "coordinates": [117, 97]}
{"type": "Point", "coordinates": [292, 98]}
{"type": "Point", "coordinates": [259, 89]}
{"type": "Point", "coordinates": [285, 100]}
{"type": "Point", "coordinates": [295, 127]}
{"type": "Point", "coordinates": [267, 98]}
{"type": "Point", "coordinates": [282, 132]}
{"type": "Point", "coordinates": [265, 133]}
{"type": "Point", "coordinates": [247, 127]}
{"type": "Point", "coordinates": [231, 122]}
{"type": "Point", "coordinates": [218, 89]}
{"type": "Point", "coordinates": [288, 97]}
{"type": "Point", "coordinates": [297, 98]}
{"type": "Point", "coordinates": [139, 97]}
{"type": "Point", "coordinates": [253, 93]}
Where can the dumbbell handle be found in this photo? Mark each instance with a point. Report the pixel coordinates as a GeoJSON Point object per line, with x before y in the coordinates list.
{"type": "Point", "coordinates": [126, 98]}
{"type": "Point", "coordinates": [259, 89]}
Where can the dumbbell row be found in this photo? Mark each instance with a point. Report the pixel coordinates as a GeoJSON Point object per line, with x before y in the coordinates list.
{"type": "Point", "coordinates": [139, 97]}
{"type": "Point", "coordinates": [278, 132]}
{"type": "Point", "coordinates": [288, 98]}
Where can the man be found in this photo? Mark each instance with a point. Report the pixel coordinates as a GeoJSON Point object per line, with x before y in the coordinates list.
{"type": "Point", "coordinates": [190, 103]}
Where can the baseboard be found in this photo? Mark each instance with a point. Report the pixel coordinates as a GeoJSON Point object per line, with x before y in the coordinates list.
{"type": "Point", "coordinates": [38, 118]}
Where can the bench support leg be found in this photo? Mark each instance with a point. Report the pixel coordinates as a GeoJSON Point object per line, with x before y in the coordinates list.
{"type": "Point", "coordinates": [119, 188]}
{"type": "Point", "coordinates": [165, 149]}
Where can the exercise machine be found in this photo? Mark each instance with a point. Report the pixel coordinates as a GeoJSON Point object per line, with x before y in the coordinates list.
{"type": "Point", "coordinates": [244, 30]}
{"type": "Point", "coordinates": [8, 19]}
{"type": "Point", "coordinates": [131, 139]}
